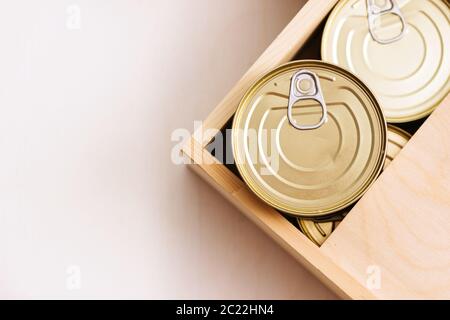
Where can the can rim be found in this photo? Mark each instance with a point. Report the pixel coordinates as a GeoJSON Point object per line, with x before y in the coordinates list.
{"type": "Point", "coordinates": [382, 130]}
{"type": "Point", "coordinates": [326, 34]}
{"type": "Point", "coordinates": [400, 131]}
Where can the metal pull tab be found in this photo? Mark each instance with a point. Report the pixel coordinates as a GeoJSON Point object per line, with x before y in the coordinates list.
{"type": "Point", "coordinates": [374, 11]}
{"type": "Point", "coordinates": [305, 85]}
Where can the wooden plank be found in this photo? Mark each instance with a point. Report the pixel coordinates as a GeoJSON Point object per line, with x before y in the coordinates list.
{"type": "Point", "coordinates": [211, 168]}
{"type": "Point", "coordinates": [277, 227]}
{"type": "Point", "coordinates": [401, 227]}
{"type": "Point", "coordinates": [300, 247]}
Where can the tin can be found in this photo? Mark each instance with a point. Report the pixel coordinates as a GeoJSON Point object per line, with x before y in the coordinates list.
{"type": "Point", "coordinates": [318, 230]}
{"type": "Point", "coordinates": [397, 139]}
{"type": "Point", "coordinates": [339, 216]}
{"type": "Point", "coordinates": [400, 48]}
{"type": "Point", "coordinates": [309, 138]}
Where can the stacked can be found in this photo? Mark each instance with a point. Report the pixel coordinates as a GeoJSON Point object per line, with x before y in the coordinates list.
{"type": "Point", "coordinates": [400, 48]}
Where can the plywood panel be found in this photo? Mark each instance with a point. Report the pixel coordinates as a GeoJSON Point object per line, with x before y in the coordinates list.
{"type": "Point", "coordinates": [401, 227]}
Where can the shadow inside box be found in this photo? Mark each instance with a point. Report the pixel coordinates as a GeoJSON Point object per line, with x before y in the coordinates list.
{"type": "Point", "coordinates": [220, 146]}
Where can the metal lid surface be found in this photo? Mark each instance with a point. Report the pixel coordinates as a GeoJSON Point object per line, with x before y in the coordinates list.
{"type": "Point", "coordinates": [400, 48]}
{"type": "Point", "coordinates": [314, 172]}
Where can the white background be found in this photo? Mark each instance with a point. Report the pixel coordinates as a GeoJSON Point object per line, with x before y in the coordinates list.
{"type": "Point", "coordinates": [90, 204]}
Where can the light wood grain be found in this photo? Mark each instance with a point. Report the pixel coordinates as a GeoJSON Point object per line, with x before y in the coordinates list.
{"type": "Point", "coordinates": [402, 225]}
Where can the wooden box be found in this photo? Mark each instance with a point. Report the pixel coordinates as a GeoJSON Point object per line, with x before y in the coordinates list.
{"type": "Point", "coordinates": [395, 243]}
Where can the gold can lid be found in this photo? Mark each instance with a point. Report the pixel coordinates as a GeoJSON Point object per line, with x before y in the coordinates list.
{"type": "Point", "coordinates": [295, 160]}
{"type": "Point", "coordinates": [400, 48]}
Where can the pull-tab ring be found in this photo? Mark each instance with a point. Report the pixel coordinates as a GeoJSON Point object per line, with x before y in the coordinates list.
{"type": "Point", "coordinates": [305, 85]}
{"type": "Point", "coordinates": [374, 12]}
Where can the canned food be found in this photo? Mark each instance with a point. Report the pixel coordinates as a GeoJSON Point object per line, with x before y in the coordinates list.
{"type": "Point", "coordinates": [339, 216]}
{"type": "Point", "coordinates": [319, 230]}
{"type": "Point", "coordinates": [400, 48]}
{"type": "Point", "coordinates": [309, 138]}
{"type": "Point", "coordinates": [397, 139]}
